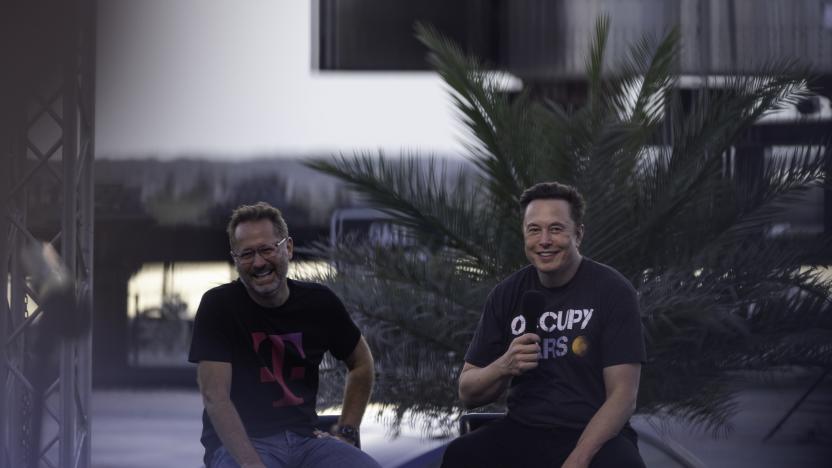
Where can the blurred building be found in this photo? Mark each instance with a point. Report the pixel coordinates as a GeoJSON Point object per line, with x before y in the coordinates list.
{"type": "Point", "coordinates": [545, 43]}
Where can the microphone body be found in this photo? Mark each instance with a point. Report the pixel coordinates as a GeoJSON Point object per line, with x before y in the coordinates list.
{"type": "Point", "coordinates": [533, 304]}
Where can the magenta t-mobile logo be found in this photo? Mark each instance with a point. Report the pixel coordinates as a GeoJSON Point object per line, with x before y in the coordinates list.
{"type": "Point", "coordinates": [275, 374]}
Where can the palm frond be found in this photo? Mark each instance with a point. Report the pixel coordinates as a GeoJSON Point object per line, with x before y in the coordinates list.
{"type": "Point", "coordinates": [419, 193]}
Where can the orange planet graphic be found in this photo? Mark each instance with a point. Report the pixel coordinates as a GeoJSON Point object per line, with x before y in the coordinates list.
{"type": "Point", "coordinates": [580, 346]}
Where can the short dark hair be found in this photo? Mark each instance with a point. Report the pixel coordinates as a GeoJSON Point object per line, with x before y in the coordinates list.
{"type": "Point", "coordinates": [256, 212]}
{"type": "Point", "coordinates": [556, 191]}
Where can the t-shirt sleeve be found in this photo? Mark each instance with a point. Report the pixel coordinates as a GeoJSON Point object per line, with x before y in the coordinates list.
{"type": "Point", "coordinates": [343, 332]}
{"type": "Point", "coordinates": [488, 342]}
{"type": "Point", "coordinates": [210, 340]}
{"type": "Point", "coordinates": [622, 338]}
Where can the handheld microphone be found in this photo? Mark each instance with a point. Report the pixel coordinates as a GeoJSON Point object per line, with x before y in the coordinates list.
{"type": "Point", "coordinates": [61, 318]}
{"type": "Point", "coordinates": [533, 303]}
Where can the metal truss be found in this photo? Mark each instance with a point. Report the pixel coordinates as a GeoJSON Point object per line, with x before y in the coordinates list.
{"type": "Point", "coordinates": [46, 195]}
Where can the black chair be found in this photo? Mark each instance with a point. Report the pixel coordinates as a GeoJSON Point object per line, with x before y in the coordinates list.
{"type": "Point", "coordinates": [667, 448]}
{"type": "Point", "coordinates": [472, 421]}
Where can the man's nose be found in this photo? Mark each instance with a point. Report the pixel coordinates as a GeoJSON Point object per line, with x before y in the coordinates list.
{"type": "Point", "coordinates": [259, 259]}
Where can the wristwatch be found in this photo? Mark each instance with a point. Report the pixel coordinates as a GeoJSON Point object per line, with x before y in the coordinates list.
{"type": "Point", "coordinates": [348, 432]}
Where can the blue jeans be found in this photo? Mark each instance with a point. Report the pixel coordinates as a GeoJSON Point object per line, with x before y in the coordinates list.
{"type": "Point", "coordinates": [288, 449]}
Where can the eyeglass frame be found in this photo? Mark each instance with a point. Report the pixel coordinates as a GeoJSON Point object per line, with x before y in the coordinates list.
{"type": "Point", "coordinates": [256, 252]}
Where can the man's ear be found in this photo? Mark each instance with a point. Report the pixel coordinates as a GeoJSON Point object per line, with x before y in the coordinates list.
{"type": "Point", "coordinates": [579, 234]}
{"type": "Point", "coordinates": [290, 246]}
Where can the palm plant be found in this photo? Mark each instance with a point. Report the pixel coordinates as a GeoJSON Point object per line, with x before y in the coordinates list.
{"type": "Point", "coordinates": [718, 293]}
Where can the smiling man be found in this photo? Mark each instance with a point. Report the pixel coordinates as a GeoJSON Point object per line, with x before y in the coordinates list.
{"type": "Point", "coordinates": [571, 367]}
{"type": "Point", "coordinates": [258, 342]}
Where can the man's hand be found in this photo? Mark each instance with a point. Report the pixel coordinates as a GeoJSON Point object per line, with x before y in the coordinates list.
{"type": "Point", "coordinates": [522, 355]}
{"type": "Point", "coordinates": [319, 434]}
{"type": "Point", "coordinates": [335, 433]}
{"type": "Point", "coordinates": [481, 385]}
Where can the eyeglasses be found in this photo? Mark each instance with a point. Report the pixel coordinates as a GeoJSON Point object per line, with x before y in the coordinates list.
{"type": "Point", "coordinates": [265, 251]}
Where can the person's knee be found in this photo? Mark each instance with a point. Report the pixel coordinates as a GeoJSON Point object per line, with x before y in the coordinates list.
{"type": "Point", "coordinates": [470, 450]}
{"type": "Point", "coordinates": [358, 459]}
{"type": "Point", "coordinates": [456, 456]}
{"type": "Point", "coordinates": [222, 458]}
{"type": "Point", "coordinates": [328, 452]}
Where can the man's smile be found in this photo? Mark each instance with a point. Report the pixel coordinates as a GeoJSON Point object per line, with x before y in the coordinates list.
{"type": "Point", "coordinates": [264, 273]}
{"type": "Point", "coordinates": [547, 254]}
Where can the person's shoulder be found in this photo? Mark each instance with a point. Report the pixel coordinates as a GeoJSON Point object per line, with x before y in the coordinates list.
{"type": "Point", "coordinates": [517, 277]}
{"type": "Point", "coordinates": [307, 285]}
{"type": "Point", "coordinates": [224, 290]}
{"type": "Point", "coordinates": [310, 289]}
{"type": "Point", "coordinates": [515, 280]}
{"type": "Point", "coordinates": [217, 299]}
{"type": "Point", "coordinates": [601, 272]}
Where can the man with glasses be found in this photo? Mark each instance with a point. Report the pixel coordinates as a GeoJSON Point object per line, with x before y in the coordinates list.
{"type": "Point", "coordinates": [258, 342]}
{"type": "Point", "coordinates": [563, 337]}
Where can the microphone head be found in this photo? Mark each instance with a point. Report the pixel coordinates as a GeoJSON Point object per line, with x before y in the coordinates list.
{"type": "Point", "coordinates": [62, 315]}
{"type": "Point", "coordinates": [45, 267]}
{"type": "Point", "coordinates": [533, 304]}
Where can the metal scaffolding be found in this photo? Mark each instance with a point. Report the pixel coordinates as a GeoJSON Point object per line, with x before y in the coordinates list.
{"type": "Point", "coordinates": [46, 194]}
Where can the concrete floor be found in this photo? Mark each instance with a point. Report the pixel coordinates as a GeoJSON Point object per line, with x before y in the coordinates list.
{"type": "Point", "coordinates": [158, 428]}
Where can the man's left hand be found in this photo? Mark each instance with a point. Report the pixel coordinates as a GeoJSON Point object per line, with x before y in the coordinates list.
{"type": "Point", "coordinates": [323, 435]}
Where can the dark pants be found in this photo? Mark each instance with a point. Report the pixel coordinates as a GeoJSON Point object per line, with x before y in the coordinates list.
{"type": "Point", "coordinates": [506, 443]}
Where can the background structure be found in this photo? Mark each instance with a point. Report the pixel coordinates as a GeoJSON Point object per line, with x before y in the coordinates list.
{"type": "Point", "coordinates": [46, 191]}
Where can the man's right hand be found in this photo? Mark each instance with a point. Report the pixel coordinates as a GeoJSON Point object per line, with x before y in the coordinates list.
{"type": "Point", "coordinates": [482, 385]}
{"type": "Point", "coordinates": [522, 355]}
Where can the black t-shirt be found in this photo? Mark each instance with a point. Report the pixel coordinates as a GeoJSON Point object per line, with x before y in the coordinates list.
{"type": "Point", "coordinates": [274, 353]}
{"type": "Point", "coordinates": [590, 323]}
